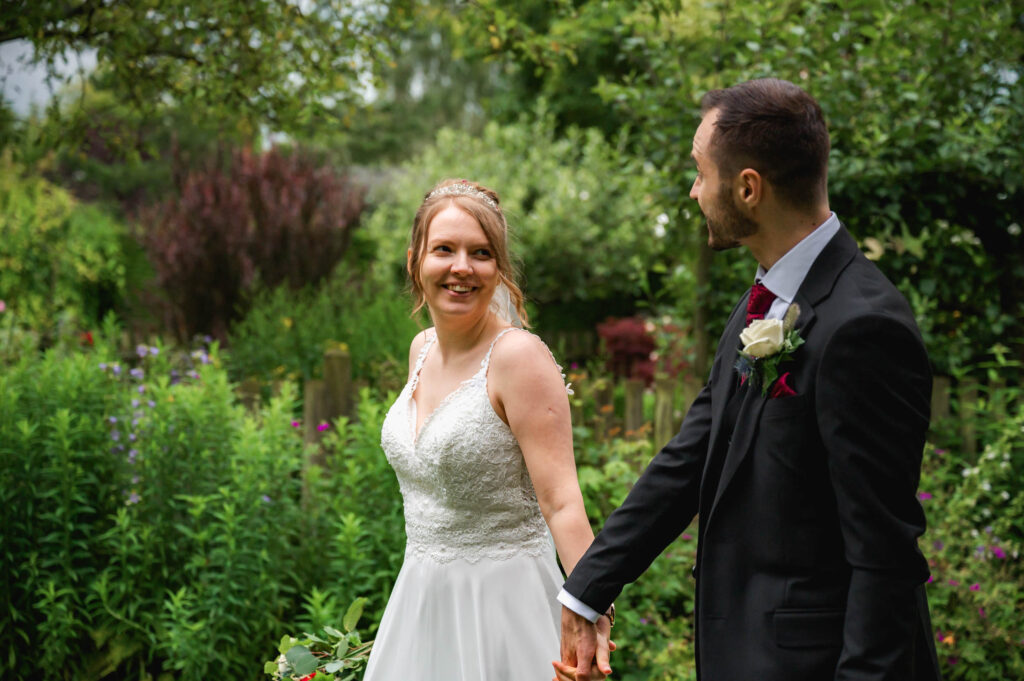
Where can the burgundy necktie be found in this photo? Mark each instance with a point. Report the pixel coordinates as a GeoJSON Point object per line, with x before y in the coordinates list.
{"type": "Point", "coordinates": [759, 302]}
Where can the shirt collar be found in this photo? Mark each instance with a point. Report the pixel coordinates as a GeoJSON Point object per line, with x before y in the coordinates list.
{"type": "Point", "coordinates": [786, 275]}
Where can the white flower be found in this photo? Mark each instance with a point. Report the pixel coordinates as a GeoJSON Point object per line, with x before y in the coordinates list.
{"type": "Point", "coordinates": [659, 231]}
{"type": "Point", "coordinates": [965, 472]}
{"type": "Point", "coordinates": [662, 219]}
{"type": "Point", "coordinates": [762, 338]}
{"type": "Point", "coordinates": [1005, 495]}
{"type": "Point", "coordinates": [987, 486]}
{"type": "Point", "coordinates": [584, 195]}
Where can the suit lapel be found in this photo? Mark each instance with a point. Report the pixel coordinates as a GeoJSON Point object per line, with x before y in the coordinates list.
{"type": "Point", "coordinates": [817, 285]}
{"type": "Point", "coordinates": [723, 388]}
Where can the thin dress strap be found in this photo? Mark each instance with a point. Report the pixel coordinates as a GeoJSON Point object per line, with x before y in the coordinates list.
{"type": "Point", "coordinates": [419, 362]}
{"type": "Point", "coordinates": [487, 359]}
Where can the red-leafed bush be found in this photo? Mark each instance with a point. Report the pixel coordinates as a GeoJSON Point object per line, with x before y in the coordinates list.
{"type": "Point", "coordinates": [271, 217]}
{"type": "Point", "coordinates": [629, 347]}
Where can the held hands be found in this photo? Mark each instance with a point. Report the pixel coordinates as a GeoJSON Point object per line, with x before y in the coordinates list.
{"type": "Point", "coordinates": [585, 648]}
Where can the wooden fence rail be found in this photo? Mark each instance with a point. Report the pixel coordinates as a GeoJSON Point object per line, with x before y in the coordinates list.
{"type": "Point", "coordinates": [332, 396]}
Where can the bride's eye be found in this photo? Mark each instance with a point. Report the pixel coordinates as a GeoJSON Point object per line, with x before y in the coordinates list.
{"type": "Point", "coordinates": [483, 252]}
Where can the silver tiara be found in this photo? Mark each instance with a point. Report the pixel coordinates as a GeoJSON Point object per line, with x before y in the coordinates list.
{"type": "Point", "coordinates": [463, 188]}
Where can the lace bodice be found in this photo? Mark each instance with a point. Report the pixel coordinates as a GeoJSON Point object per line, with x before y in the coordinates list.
{"type": "Point", "coordinates": [464, 482]}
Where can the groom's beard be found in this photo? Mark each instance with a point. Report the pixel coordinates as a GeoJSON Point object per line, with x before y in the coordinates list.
{"type": "Point", "coordinates": [729, 224]}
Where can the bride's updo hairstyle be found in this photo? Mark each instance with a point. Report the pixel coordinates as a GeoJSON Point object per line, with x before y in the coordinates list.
{"type": "Point", "coordinates": [484, 206]}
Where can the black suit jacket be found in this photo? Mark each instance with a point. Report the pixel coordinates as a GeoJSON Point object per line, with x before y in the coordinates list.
{"type": "Point", "coordinates": [807, 565]}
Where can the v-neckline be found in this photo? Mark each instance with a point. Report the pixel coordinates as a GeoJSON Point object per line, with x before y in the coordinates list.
{"type": "Point", "coordinates": [417, 434]}
{"type": "Point", "coordinates": [414, 383]}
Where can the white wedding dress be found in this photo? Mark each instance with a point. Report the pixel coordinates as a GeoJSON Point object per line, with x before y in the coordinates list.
{"type": "Point", "coordinates": [476, 595]}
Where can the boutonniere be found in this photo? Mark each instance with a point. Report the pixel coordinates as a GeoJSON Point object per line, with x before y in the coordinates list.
{"type": "Point", "coordinates": [767, 343]}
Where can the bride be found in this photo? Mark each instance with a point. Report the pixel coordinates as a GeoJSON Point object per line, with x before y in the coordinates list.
{"type": "Point", "coordinates": [481, 442]}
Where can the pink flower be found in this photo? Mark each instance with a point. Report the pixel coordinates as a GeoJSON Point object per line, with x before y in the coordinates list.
{"type": "Point", "coordinates": [296, 424]}
{"type": "Point", "coordinates": [323, 426]}
{"type": "Point", "coordinates": [953, 582]}
{"type": "Point", "coordinates": [924, 496]}
{"type": "Point", "coordinates": [998, 553]}
{"type": "Point", "coordinates": [930, 579]}
{"type": "Point", "coordinates": [975, 587]}
{"type": "Point", "coordinates": [981, 613]}
{"type": "Point", "coordinates": [687, 536]}
{"type": "Point", "coordinates": [3, 306]}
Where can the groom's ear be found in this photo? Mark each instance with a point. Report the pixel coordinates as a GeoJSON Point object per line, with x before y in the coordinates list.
{"type": "Point", "coordinates": [750, 187]}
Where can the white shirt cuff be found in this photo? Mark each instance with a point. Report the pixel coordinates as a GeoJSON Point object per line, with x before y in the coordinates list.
{"type": "Point", "coordinates": [577, 606]}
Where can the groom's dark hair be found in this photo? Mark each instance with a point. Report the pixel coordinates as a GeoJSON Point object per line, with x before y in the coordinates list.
{"type": "Point", "coordinates": [775, 128]}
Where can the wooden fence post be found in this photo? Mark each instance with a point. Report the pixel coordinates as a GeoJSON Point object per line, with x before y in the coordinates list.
{"type": "Point", "coordinates": [605, 415]}
{"type": "Point", "coordinates": [249, 393]}
{"type": "Point", "coordinates": [338, 382]}
{"type": "Point", "coordinates": [664, 411]}
{"type": "Point", "coordinates": [968, 414]}
{"type": "Point", "coordinates": [314, 412]}
{"type": "Point", "coordinates": [634, 417]}
{"type": "Point", "coordinates": [941, 388]}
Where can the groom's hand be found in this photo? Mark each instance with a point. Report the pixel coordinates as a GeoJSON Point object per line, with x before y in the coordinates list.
{"type": "Point", "coordinates": [585, 648]}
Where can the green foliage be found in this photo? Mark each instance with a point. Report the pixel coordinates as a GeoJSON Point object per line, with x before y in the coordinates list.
{"type": "Point", "coordinates": [330, 654]}
{"type": "Point", "coordinates": [149, 523]}
{"type": "Point", "coordinates": [61, 262]}
{"type": "Point", "coordinates": [923, 104]}
{"type": "Point", "coordinates": [282, 63]}
{"type": "Point", "coordinates": [286, 332]}
{"type": "Point", "coordinates": [581, 214]}
{"type": "Point", "coordinates": [975, 543]}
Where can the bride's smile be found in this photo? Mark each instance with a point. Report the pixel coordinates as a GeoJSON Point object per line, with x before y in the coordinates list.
{"type": "Point", "coordinates": [458, 271]}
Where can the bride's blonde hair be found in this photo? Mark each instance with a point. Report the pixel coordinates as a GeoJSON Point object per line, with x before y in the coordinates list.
{"type": "Point", "coordinates": [483, 205]}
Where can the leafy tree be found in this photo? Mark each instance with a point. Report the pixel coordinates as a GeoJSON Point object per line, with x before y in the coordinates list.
{"type": "Point", "coordinates": [276, 62]}
{"type": "Point", "coordinates": [924, 102]}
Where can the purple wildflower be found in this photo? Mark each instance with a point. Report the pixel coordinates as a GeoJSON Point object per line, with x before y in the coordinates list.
{"type": "Point", "coordinates": [116, 369]}
{"type": "Point", "coordinates": [142, 389]}
{"type": "Point", "coordinates": [134, 498]}
{"type": "Point", "coordinates": [953, 582]}
{"type": "Point", "coordinates": [981, 613]}
{"type": "Point", "coordinates": [113, 419]}
{"type": "Point", "coordinates": [131, 437]}
{"type": "Point", "coordinates": [975, 587]}
{"type": "Point", "coordinates": [137, 373]}
{"type": "Point", "coordinates": [643, 620]}
{"type": "Point", "coordinates": [154, 351]}
{"type": "Point", "coordinates": [938, 545]}
{"type": "Point", "coordinates": [132, 454]}
{"type": "Point", "coordinates": [266, 499]}
{"type": "Point", "coordinates": [115, 435]}
{"type": "Point", "coordinates": [141, 350]}
{"type": "Point", "coordinates": [924, 496]}
{"type": "Point", "coordinates": [103, 366]}
{"type": "Point", "coordinates": [135, 403]}
{"type": "Point", "coordinates": [151, 404]}
{"type": "Point", "coordinates": [135, 479]}
{"type": "Point", "coordinates": [998, 553]}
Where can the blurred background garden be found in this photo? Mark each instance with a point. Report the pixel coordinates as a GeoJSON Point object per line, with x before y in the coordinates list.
{"type": "Point", "coordinates": [204, 314]}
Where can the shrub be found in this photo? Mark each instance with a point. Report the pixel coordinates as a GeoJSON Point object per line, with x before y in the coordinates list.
{"type": "Point", "coordinates": [974, 543]}
{"type": "Point", "coordinates": [580, 211]}
{"type": "Point", "coordinates": [61, 262]}
{"type": "Point", "coordinates": [272, 218]}
{"type": "Point", "coordinates": [150, 524]}
{"type": "Point", "coordinates": [286, 332]}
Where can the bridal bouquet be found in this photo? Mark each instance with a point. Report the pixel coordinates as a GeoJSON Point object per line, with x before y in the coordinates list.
{"type": "Point", "coordinates": [328, 656]}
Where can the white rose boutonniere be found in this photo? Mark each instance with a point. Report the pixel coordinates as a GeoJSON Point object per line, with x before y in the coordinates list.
{"type": "Point", "coordinates": [767, 343]}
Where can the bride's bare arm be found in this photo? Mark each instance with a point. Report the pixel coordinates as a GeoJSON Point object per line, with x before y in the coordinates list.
{"type": "Point", "coordinates": [529, 393]}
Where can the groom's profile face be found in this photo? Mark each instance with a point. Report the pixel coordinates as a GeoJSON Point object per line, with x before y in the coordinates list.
{"type": "Point", "coordinates": [727, 224]}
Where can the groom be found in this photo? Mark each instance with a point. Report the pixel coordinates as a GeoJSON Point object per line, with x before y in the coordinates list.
{"type": "Point", "coordinates": [807, 562]}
